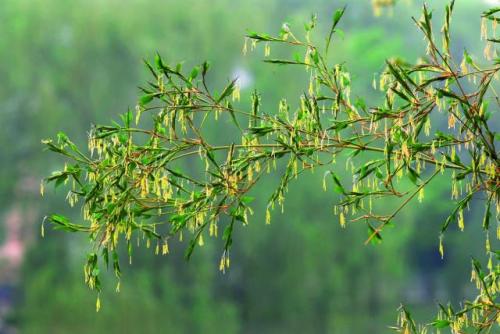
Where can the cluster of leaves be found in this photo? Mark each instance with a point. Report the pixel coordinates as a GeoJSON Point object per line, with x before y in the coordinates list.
{"type": "Point", "coordinates": [158, 174]}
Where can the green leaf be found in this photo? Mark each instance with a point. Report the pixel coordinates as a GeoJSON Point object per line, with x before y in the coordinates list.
{"type": "Point", "coordinates": [261, 130]}
{"type": "Point", "coordinates": [127, 118]}
{"type": "Point", "coordinates": [450, 94]}
{"type": "Point", "coordinates": [488, 13]}
{"type": "Point", "coordinates": [413, 175]}
{"type": "Point", "coordinates": [60, 180]}
{"type": "Point", "coordinates": [233, 116]}
{"type": "Point", "coordinates": [487, 215]}
{"type": "Point", "coordinates": [261, 36]}
{"type": "Point", "coordinates": [247, 199]}
{"type": "Point", "coordinates": [194, 73]}
{"type": "Point", "coordinates": [150, 68]}
{"type": "Point", "coordinates": [441, 323]}
{"type": "Point", "coordinates": [191, 247]}
{"type": "Point", "coordinates": [227, 91]}
{"type": "Point", "coordinates": [204, 68]}
{"type": "Point", "coordinates": [284, 62]}
{"type": "Point", "coordinates": [368, 168]}
{"type": "Point", "coordinates": [336, 19]}
{"type": "Point", "coordinates": [399, 78]}
{"type": "Point", "coordinates": [338, 186]}
{"type": "Point", "coordinates": [159, 62]}
{"type": "Point", "coordinates": [63, 223]}
{"type": "Point", "coordinates": [60, 219]}
{"type": "Point", "coordinates": [145, 99]}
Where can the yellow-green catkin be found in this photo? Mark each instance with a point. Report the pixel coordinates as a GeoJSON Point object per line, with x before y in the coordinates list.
{"type": "Point", "coordinates": [307, 59]}
{"type": "Point", "coordinates": [342, 219]}
{"type": "Point", "coordinates": [484, 29]}
{"type": "Point", "coordinates": [487, 243]}
{"type": "Point", "coordinates": [267, 50]}
{"type": "Point", "coordinates": [441, 247]}
{"type": "Point", "coordinates": [98, 304]}
{"type": "Point", "coordinates": [427, 126]}
{"type": "Point", "coordinates": [461, 224]}
{"type": "Point", "coordinates": [42, 228]}
{"type": "Point", "coordinates": [245, 46]}
{"type": "Point", "coordinates": [236, 95]}
{"type": "Point", "coordinates": [488, 51]}
{"type": "Point", "coordinates": [421, 195]}
{"type": "Point", "coordinates": [213, 229]}
{"type": "Point", "coordinates": [224, 262]}
{"type": "Point", "coordinates": [164, 248]}
{"type": "Point", "coordinates": [311, 84]}
{"type": "Point", "coordinates": [451, 121]}
{"type": "Point", "coordinates": [490, 264]}
{"type": "Point", "coordinates": [463, 67]}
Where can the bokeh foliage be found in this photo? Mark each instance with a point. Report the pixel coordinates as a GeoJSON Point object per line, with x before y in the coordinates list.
{"type": "Point", "coordinates": [286, 306]}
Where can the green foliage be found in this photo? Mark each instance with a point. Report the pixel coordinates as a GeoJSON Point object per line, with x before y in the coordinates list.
{"type": "Point", "coordinates": [134, 184]}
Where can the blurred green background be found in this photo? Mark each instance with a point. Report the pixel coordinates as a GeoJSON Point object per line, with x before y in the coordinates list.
{"type": "Point", "coordinates": [67, 64]}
